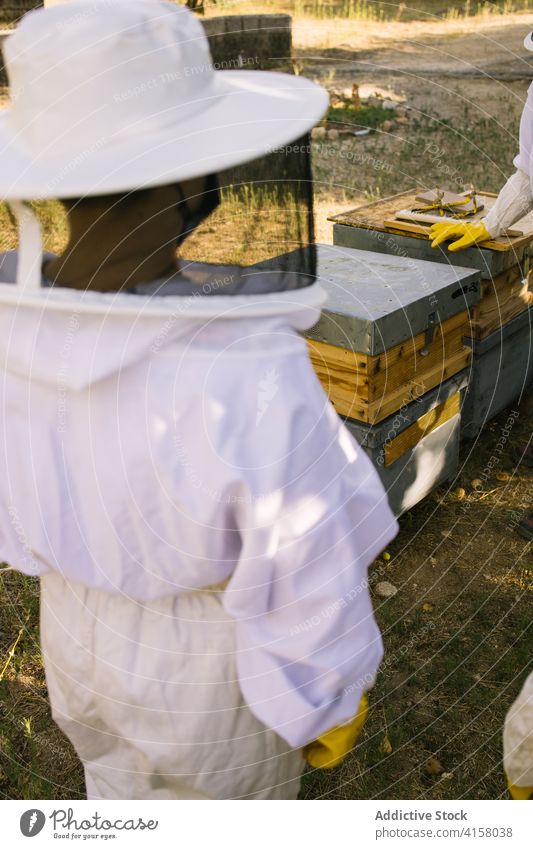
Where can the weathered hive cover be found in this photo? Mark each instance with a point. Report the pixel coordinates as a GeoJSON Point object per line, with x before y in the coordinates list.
{"type": "Point", "coordinates": [376, 301]}
{"type": "Point", "coordinates": [374, 226]}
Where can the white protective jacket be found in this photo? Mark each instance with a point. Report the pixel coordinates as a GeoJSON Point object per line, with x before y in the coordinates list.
{"type": "Point", "coordinates": [516, 197]}
{"type": "Point", "coordinates": [154, 455]}
{"type": "Point", "coordinates": [518, 738]}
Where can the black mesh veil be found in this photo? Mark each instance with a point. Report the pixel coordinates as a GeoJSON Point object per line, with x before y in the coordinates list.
{"type": "Point", "coordinates": [249, 229]}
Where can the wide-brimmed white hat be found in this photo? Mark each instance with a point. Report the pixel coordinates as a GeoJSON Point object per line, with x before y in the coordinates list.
{"type": "Point", "coordinates": [111, 95]}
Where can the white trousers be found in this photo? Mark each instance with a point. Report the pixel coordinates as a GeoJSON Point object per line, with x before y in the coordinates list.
{"type": "Point", "coordinates": [148, 694]}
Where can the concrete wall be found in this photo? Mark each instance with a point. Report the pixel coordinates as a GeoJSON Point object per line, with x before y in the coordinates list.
{"type": "Point", "coordinates": [3, 34]}
{"type": "Point", "coordinates": [261, 42]}
{"type": "Point", "coordinates": [12, 10]}
{"type": "Point", "coordinates": [253, 42]}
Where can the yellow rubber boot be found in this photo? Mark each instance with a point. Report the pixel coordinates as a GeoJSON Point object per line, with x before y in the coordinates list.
{"type": "Point", "coordinates": [520, 792]}
{"type": "Point", "coordinates": [331, 748]}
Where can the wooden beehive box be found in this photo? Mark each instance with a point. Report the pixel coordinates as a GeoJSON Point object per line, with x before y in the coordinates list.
{"type": "Point", "coordinates": [417, 448]}
{"type": "Point", "coordinates": [392, 329]}
{"type": "Point", "coordinates": [502, 299]}
{"type": "Point", "coordinates": [503, 262]}
{"type": "Point", "coordinates": [502, 371]}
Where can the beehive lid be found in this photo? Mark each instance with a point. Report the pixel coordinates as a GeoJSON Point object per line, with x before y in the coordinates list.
{"type": "Point", "coordinates": [376, 301]}
{"type": "Point", "coordinates": [380, 215]}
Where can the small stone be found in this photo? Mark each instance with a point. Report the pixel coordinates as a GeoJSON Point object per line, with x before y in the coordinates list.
{"type": "Point", "coordinates": [389, 104]}
{"type": "Point", "coordinates": [433, 767]}
{"type": "Point", "coordinates": [427, 607]}
{"type": "Point", "coordinates": [460, 493]}
{"type": "Point", "coordinates": [333, 135]}
{"type": "Point", "coordinates": [503, 476]}
{"type": "Point", "coordinates": [402, 120]}
{"type": "Point", "coordinates": [387, 126]}
{"type": "Point", "coordinates": [386, 589]}
{"type": "Point", "coordinates": [447, 776]}
{"type": "Point", "coordinates": [401, 112]}
{"type": "Point", "coordinates": [386, 555]}
{"type": "Point", "coordinates": [318, 133]}
{"type": "Point", "coordinates": [477, 484]}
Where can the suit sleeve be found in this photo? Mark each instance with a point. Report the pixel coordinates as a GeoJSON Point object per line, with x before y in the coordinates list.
{"type": "Point", "coordinates": [514, 201]}
{"type": "Point", "coordinates": [516, 197]}
{"type": "Point", "coordinates": [308, 645]}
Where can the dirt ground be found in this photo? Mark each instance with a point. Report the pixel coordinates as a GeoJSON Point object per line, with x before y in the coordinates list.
{"type": "Point", "coordinates": [458, 633]}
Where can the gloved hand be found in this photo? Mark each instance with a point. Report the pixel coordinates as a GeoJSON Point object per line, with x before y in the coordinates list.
{"type": "Point", "coordinates": [464, 233]}
{"type": "Point", "coordinates": [331, 748]}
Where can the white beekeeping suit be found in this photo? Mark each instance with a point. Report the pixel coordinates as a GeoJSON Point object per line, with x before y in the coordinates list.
{"type": "Point", "coordinates": [518, 743]}
{"type": "Point", "coordinates": [516, 197]}
{"type": "Point", "coordinates": [513, 202]}
{"type": "Point", "coordinates": [201, 520]}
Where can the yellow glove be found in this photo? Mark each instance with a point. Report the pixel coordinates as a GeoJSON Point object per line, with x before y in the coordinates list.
{"type": "Point", "coordinates": [520, 792]}
{"type": "Point", "coordinates": [331, 748]}
{"type": "Point", "coordinates": [464, 234]}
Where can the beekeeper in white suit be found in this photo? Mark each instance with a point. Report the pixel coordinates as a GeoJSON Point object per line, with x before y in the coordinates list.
{"type": "Point", "coordinates": [514, 200]}
{"type": "Point", "coordinates": [199, 517]}
{"type": "Point", "coordinates": [518, 743]}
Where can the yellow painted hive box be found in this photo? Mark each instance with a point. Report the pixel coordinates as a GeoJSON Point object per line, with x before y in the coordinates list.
{"type": "Point", "coordinates": [392, 329]}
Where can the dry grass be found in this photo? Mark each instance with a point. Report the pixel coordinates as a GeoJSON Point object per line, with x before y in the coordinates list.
{"type": "Point", "coordinates": [36, 761]}
{"type": "Point", "coordinates": [369, 34]}
{"type": "Point", "coordinates": [450, 671]}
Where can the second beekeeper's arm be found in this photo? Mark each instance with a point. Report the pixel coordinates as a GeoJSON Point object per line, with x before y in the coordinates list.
{"type": "Point", "coordinates": [513, 202]}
